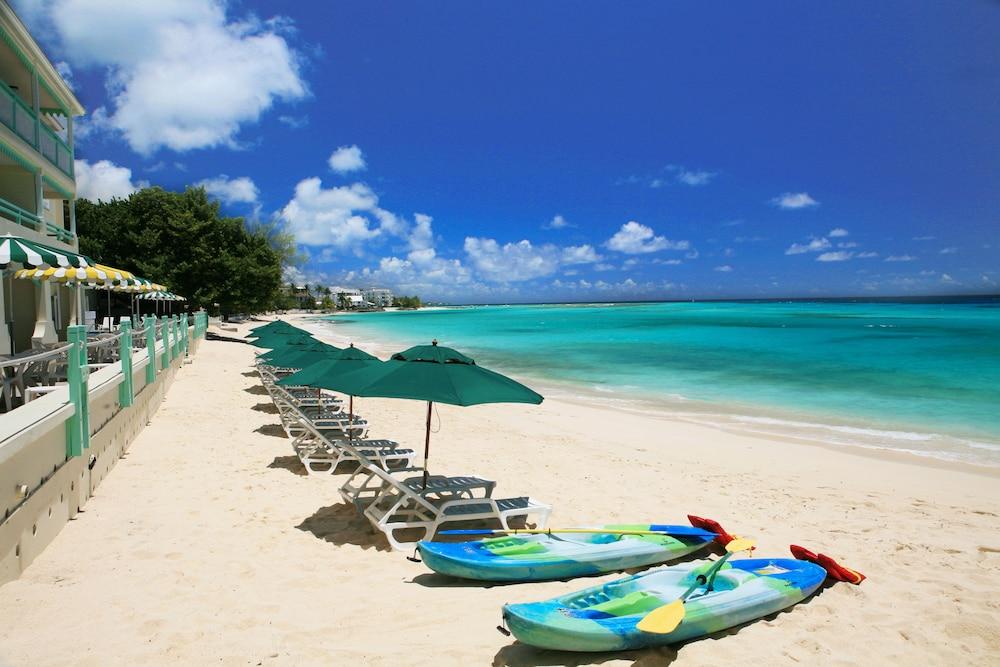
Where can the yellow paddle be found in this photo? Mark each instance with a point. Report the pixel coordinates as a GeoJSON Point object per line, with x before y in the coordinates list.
{"type": "Point", "coordinates": [665, 619]}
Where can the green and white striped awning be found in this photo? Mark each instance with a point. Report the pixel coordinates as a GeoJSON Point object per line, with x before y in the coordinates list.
{"type": "Point", "coordinates": [16, 249]}
{"type": "Point", "coordinates": [161, 295]}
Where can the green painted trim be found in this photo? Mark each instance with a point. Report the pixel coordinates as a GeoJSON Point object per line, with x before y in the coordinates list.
{"type": "Point", "coordinates": [58, 188]}
{"type": "Point", "coordinates": [150, 323]}
{"type": "Point", "coordinates": [77, 426]}
{"type": "Point", "coordinates": [55, 96]}
{"type": "Point", "coordinates": [10, 152]}
{"type": "Point", "coordinates": [125, 391]}
{"type": "Point", "coordinates": [165, 337]}
{"type": "Point", "coordinates": [27, 62]}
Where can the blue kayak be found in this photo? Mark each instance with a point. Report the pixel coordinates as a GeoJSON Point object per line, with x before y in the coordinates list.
{"type": "Point", "coordinates": [540, 557]}
{"type": "Point", "coordinates": [605, 617]}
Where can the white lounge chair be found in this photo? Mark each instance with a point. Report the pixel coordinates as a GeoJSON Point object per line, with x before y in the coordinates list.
{"type": "Point", "coordinates": [320, 444]}
{"type": "Point", "coordinates": [399, 507]}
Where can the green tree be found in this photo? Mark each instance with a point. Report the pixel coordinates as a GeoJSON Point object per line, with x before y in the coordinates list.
{"type": "Point", "coordinates": [181, 240]}
{"type": "Point", "coordinates": [406, 302]}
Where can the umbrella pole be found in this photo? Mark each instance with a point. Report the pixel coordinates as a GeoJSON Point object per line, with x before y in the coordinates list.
{"type": "Point", "coordinates": [427, 441]}
{"type": "Point", "coordinates": [350, 420]}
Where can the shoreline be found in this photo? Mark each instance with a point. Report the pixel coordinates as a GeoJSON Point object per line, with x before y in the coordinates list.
{"type": "Point", "coordinates": [211, 516]}
{"type": "Point", "coordinates": [710, 415]}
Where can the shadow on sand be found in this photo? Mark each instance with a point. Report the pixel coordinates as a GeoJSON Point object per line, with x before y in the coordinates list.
{"type": "Point", "coordinates": [275, 430]}
{"type": "Point", "coordinates": [269, 408]}
{"type": "Point", "coordinates": [341, 525]}
{"type": "Point", "coordinates": [289, 463]}
{"type": "Point", "coordinates": [257, 390]}
{"type": "Point", "coordinates": [522, 655]}
{"type": "Point", "coordinates": [250, 374]}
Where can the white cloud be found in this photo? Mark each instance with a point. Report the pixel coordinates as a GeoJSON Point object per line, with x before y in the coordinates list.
{"type": "Point", "coordinates": [240, 190]}
{"type": "Point", "coordinates": [557, 222]}
{"type": "Point", "coordinates": [347, 159]}
{"type": "Point", "coordinates": [580, 254]}
{"type": "Point", "coordinates": [794, 200]}
{"type": "Point", "coordinates": [814, 245]}
{"type": "Point", "coordinates": [180, 74]}
{"type": "Point", "coordinates": [866, 255]}
{"type": "Point", "coordinates": [336, 216]}
{"type": "Point", "coordinates": [949, 251]}
{"type": "Point", "coordinates": [725, 268]}
{"type": "Point", "coordinates": [847, 244]}
{"type": "Point", "coordinates": [634, 238]}
{"type": "Point", "coordinates": [924, 238]}
{"type": "Point", "coordinates": [65, 71]}
{"type": "Point", "coordinates": [838, 256]}
{"type": "Point", "coordinates": [422, 235]}
{"type": "Point", "coordinates": [104, 180]}
{"type": "Point", "coordinates": [948, 280]}
{"type": "Point", "coordinates": [516, 262]}
{"type": "Point", "coordinates": [900, 258]}
{"type": "Point", "coordinates": [695, 178]}
{"type": "Point", "coordinates": [604, 267]}
{"type": "Point", "coordinates": [838, 232]}
{"type": "Point", "coordinates": [294, 122]}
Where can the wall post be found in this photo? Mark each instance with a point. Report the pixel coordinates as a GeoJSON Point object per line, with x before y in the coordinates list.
{"type": "Point", "coordinates": [77, 371]}
{"type": "Point", "coordinates": [125, 390]}
{"type": "Point", "coordinates": [150, 349]}
{"type": "Point", "coordinates": [166, 342]}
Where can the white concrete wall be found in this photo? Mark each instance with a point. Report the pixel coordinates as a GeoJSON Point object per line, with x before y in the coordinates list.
{"type": "Point", "coordinates": [33, 454]}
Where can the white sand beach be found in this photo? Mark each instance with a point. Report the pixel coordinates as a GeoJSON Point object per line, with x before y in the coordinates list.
{"type": "Point", "coordinates": [207, 544]}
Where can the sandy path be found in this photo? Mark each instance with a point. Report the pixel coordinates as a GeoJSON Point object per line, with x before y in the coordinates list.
{"type": "Point", "coordinates": [207, 545]}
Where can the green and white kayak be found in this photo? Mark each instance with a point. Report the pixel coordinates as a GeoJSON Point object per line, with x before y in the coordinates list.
{"type": "Point", "coordinates": [604, 617]}
{"type": "Point", "coordinates": [563, 555]}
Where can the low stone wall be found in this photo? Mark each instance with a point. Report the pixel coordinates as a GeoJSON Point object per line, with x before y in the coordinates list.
{"type": "Point", "coordinates": [42, 483]}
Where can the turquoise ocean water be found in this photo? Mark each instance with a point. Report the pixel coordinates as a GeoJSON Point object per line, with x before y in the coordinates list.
{"type": "Point", "coordinates": [924, 378]}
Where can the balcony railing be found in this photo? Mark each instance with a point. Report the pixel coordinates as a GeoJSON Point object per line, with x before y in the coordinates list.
{"type": "Point", "coordinates": [32, 221]}
{"type": "Point", "coordinates": [20, 118]}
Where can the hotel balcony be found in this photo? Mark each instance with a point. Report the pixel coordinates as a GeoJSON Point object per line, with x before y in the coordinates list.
{"type": "Point", "coordinates": [37, 187]}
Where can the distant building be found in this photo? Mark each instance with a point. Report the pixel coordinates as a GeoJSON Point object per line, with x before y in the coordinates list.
{"type": "Point", "coordinates": [378, 296]}
{"type": "Point", "coordinates": [348, 297]}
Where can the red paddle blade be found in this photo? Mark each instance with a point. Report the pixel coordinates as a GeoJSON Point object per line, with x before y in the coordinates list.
{"type": "Point", "coordinates": [834, 570]}
{"type": "Point", "coordinates": [713, 526]}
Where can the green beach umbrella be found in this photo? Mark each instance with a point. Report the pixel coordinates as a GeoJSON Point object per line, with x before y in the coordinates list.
{"type": "Point", "coordinates": [301, 356]}
{"type": "Point", "coordinates": [275, 326]}
{"type": "Point", "coordinates": [274, 340]}
{"type": "Point", "coordinates": [434, 374]}
{"type": "Point", "coordinates": [323, 373]}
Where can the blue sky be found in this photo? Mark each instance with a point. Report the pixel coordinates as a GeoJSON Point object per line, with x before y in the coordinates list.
{"type": "Point", "coordinates": [475, 151]}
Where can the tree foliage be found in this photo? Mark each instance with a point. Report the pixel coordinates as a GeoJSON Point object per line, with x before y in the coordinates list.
{"type": "Point", "coordinates": [406, 301]}
{"type": "Point", "coordinates": [181, 240]}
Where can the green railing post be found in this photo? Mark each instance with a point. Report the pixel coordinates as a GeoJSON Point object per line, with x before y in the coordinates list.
{"type": "Point", "coordinates": [165, 328]}
{"type": "Point", "coordinates": [176, 325]}
{"type": "Point", "coordinates": [77, 371]}
{"type": "Point", "coordinates": [150, 349]}
{"type": "Point", "coordinates": [125, 394]}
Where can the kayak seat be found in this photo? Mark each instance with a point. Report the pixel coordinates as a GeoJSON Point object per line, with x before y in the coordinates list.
{"type": "Point", "coordinates": [636, 602]}
{"type": "Point", "coordinates": [522, 549]}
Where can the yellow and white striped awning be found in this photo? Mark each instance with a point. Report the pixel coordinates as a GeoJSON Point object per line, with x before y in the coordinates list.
{"type": "Point", "coordinates": [97, 275]}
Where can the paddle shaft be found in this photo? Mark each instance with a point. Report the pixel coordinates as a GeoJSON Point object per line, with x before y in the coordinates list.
{"type": "Point", "coordinates": [427, 441]}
